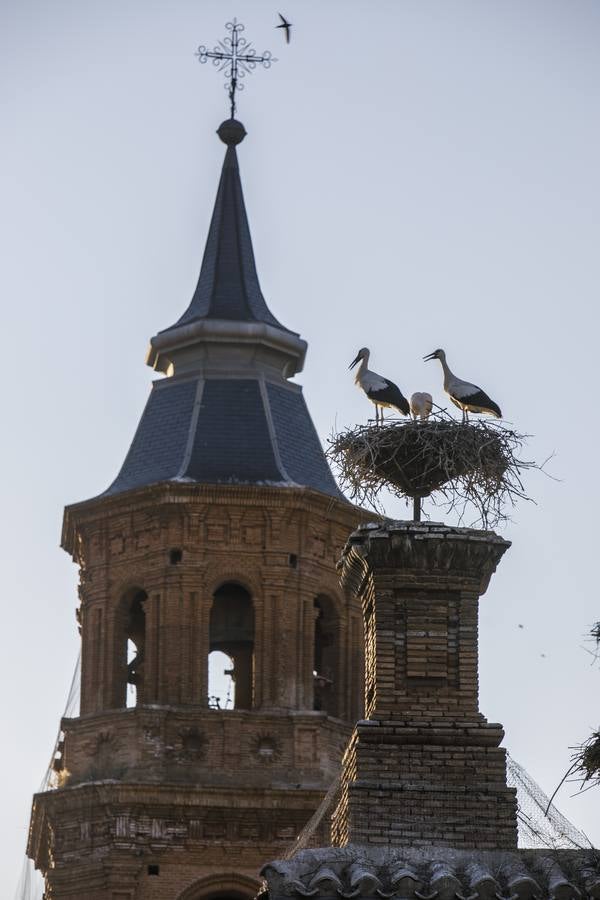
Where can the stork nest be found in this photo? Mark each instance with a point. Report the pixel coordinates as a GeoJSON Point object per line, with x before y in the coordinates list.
{"type": "Point", "coordinates": [587, 759]}
{"type": "Point", "coordinates": [459, 465]}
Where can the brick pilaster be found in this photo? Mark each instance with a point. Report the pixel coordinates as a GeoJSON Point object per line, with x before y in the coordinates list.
{"type": "Point", "coordinates": [425, 767]}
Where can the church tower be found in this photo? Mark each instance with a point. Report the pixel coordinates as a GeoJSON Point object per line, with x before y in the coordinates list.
{"type": "Point", "coordinates": [219, 534]}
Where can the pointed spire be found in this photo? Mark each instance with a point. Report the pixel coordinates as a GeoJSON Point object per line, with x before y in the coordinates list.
{"type": "Point", "coordinates": [228, 286]}
{"type": "Point", "coordinates": [228, 297]}
{"type": "Point", "coordinates": [233, 417]}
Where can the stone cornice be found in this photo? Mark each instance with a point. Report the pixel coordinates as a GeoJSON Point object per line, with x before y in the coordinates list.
{"type": "Point", "coordinates": [429, 549]}
{"type": "Point", "coordinates": [175, 493]}
{"type": "Point", "coordinates": [168, 347]}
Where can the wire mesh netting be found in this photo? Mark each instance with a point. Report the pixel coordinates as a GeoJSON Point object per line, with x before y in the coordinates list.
{"type": "Point", "coordinates": [31, 884]}
{"type": "Point", "coordinates": [541, 825]}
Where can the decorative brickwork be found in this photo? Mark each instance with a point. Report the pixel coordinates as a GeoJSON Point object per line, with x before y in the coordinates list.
{"type": "Point", "coordinates": [220, 535]}
{"type": "Point", "coordinates": [425, 767]}
{"type": "Point", "coordinates": [170, 797]}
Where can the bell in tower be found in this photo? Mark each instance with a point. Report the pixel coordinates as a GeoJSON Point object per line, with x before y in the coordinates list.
{"type": "Point", "coordinates": [219, 536]}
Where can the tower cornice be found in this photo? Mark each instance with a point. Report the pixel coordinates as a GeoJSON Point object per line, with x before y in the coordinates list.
{"type": "Point", "coordinates": [149, 497]}
{"type": "Point", "coordinates": [220, 344]}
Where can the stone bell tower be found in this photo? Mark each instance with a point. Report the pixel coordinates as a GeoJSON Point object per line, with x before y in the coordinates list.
{"type": "Point", "coordinates": [220, 533]}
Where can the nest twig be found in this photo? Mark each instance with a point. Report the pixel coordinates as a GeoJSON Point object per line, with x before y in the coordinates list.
{"type": "Point", "coordinates": [587, 760]}
{"type": "Point", "coordinates": [459, 465]}
{"type": "Point", "coordinates": [584, 768]}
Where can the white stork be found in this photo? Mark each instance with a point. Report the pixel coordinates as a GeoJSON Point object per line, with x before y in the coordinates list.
{"type": "Point", "coordinates": [421, 404]}
{"type": "Point", "coordinates": [380, 391]}
{"type": "Point", "coordinates": [468, 397]}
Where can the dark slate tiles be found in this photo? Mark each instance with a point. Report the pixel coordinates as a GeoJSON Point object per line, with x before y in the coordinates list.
{"type": "Point", "coordinates": [157, 450]}
{"type": "Point", "coordinates": [232, 442]}
{"type": "Point", "coordinates": [299, 446]}
{"type": "Point", "coordinates": [228, 286]}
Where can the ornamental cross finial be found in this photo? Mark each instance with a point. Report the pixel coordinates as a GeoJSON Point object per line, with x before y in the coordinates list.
{"type": "Point", "coordinates": [236, 57]}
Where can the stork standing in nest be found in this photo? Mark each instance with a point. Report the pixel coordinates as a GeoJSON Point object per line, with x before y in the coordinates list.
{"type": "Point", "coordinates": [380, 391]}
{"type": "Point", "coordinates": [468, 397]}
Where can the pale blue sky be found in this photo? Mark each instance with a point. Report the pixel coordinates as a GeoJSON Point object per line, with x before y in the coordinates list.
{"type": "Point", "coordinates": [418, 173]}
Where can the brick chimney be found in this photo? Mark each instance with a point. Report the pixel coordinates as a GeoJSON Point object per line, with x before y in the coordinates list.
{"type": "Point", "coordinates": [424, 767]}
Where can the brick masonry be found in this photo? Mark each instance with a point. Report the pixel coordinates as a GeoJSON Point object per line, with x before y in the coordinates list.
{"type": "Point", "coordinates": [425, 767]}
{"type": "Point", "coordinates": [205, 795]}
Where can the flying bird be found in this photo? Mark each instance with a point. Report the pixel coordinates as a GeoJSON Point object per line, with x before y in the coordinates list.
{"type": "Point", "coordinates": [380, 391]}
{"type": "Point", "coordinates": [468, 397]}
{"type": "Point", "coordinates": [286, 26]}
{"type": "Point", "coordinates": [421, 404]}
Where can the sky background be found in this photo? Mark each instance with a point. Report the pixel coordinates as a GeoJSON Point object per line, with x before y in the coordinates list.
{"type": "Point", "coordinates": [417, 174]}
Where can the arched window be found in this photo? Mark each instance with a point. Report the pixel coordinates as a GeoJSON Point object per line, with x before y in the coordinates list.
{"type": "Point", "coordinates": [326, 656]}
{"type": "Point", "coordinates": [230, 886]}
{"type": "Point", "coordinates": [227, 895]}
{"type": "Point", "coordinates": [133, 640]}
{"type": "Point", "coordinates": [221, 684]}
{"type": "Point", "coordinates": [232, 633]}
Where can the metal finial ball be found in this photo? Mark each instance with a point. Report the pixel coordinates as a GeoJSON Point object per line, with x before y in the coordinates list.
{"type": "Point", "coordinates": [231, 132]}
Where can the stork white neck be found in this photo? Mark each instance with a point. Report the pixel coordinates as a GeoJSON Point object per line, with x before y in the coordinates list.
{"type": "Point", "coordinates": [448, 375]}
{"type": "Point", "coordinates": [363, 367]}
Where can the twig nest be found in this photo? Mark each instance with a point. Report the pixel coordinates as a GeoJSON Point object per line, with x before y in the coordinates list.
{"type": "Point", "coordinates": [588, 758]}
{"type": "Point", "coordinates": [472, 462]}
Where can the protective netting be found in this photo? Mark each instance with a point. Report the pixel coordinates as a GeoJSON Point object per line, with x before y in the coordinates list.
{"type": "Point", "coordinates": [31, 884]}
{"type": "Point", "coordinates": [541, 824]}
{"type": "Point", "coordinates": [312, 833]}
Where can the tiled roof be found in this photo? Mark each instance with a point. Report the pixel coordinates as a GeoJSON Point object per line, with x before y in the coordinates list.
{"type": "Point", "coordinates": [299, 446]}
{"type": "Point", "coordinates": [436, 873]}
{"type": "Point", "coordinates": [226, 413]}
{"type": "Point", "coordinates": [226, 431]}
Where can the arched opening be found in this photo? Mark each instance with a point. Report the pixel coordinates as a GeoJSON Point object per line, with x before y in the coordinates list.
{"type": "Point", "coordinates": [227, 895]}
{"type": "Point", "coordinates": [221, 684]}
{"type": "Point", "coordinates": [227, 886]}
{"type": "Point", "coordinates": [131, 690]}
{"type": "Point", "coordinates": [326, 656]}
{"type": "Point", "coordinates": [232, 633]}
{"type": "Point", "coordinates": [134, 644]}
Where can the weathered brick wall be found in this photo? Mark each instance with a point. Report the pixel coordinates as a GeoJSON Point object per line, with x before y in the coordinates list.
{"type": "Point", "coordinates": [104, 840]}
{"type": "Point", "coordinates": [280, 544]}
{"type": "Point", "coordinates": [425, 767]}
{"type": "Point", "coordinates": [190, 745]}
{"type": "Point", "coordinates": [200, 793]}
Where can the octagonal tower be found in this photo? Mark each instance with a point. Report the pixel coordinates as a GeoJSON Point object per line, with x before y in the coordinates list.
{"type": "Point", "coordinates": [220, 533]}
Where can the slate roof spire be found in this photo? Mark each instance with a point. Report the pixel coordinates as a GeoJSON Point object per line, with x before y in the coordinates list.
{"type": "Point", "coordinates": [228, 290]}
{"type": "Point", "coordinates": [226, 413]}
{"type": "Point", "coordinates": [228, 286]}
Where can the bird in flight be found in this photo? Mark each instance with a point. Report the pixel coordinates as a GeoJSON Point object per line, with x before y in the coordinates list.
{"type": "Point", "coordinates": [285, 25]}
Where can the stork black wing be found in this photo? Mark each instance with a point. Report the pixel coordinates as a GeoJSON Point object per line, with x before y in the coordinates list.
{"type": "Point", "coordinates": [480, 401]}
{"type": "Point", "coordinates": [391, 395]}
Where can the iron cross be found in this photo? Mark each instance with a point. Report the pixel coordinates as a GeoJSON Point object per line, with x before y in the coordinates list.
{"type": "Point", "coordinates": [236, 57]}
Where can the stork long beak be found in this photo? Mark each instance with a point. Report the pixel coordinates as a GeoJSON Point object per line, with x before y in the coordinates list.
{"type": "Point", "coordinates": [353, 363]}
{"type": "Point", "coordinates": [429, 357]}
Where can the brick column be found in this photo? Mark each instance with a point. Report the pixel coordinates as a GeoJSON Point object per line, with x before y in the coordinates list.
{"type": "Point", "coordinates": [425, 767]}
